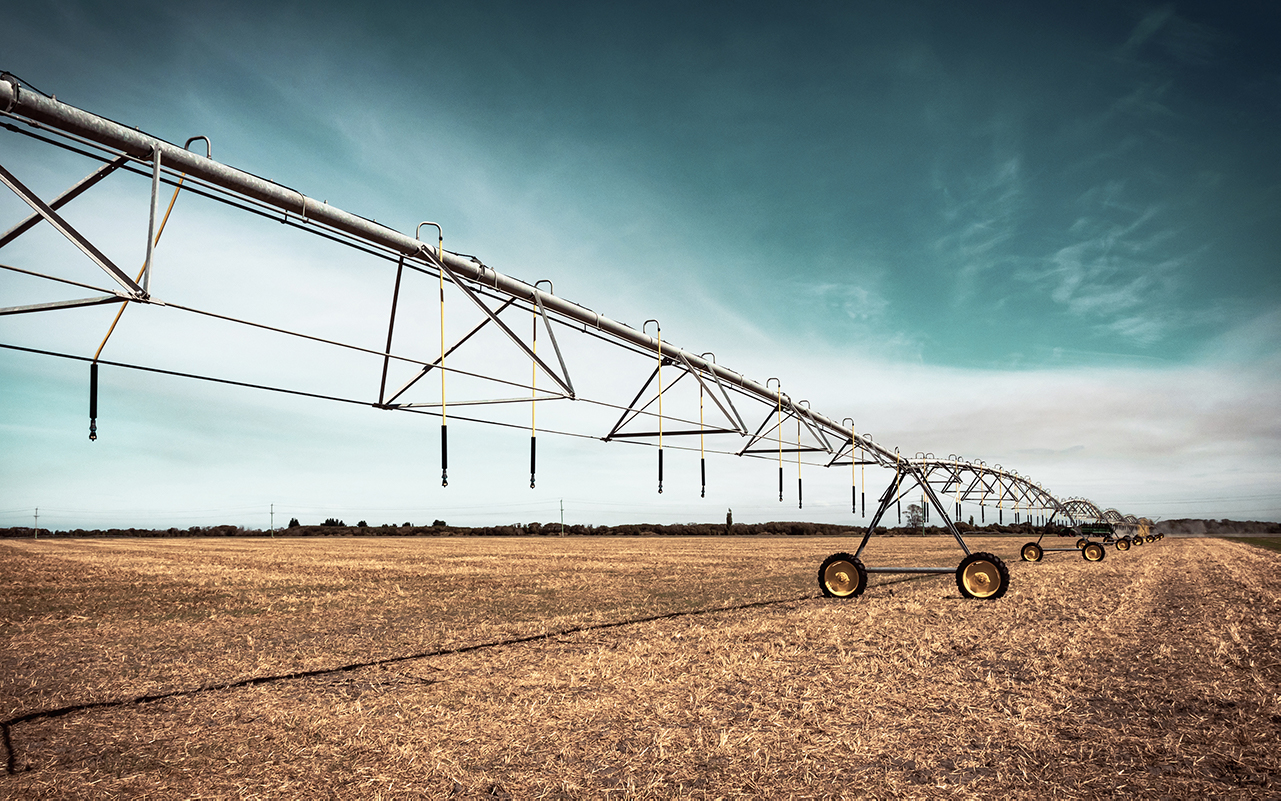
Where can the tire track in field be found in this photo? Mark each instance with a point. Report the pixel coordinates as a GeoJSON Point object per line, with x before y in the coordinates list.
{"type": "Point", "coordinates": [1203, 697]}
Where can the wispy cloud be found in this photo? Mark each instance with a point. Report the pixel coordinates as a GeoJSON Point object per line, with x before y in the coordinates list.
{"type": "Point", "coordinates": [1147, 27]}
{"type": "Point", "coordinates": [859, 303]}
{"type": "Point", "coordinates": [1178, 37]}
{"type": "Point", "coordinates": [980, 217]}
{"type": "Point", "coordinates": [1116, 270]}
{"type": "Point", "coordinates": [1147, 99]}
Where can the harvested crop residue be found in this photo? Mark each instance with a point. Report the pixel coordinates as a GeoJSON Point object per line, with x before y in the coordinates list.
{"type": "Point", "coordinates": [508, 667]}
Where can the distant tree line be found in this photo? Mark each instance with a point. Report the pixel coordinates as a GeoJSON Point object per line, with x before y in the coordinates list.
{"type": "Point", "coordinates": [333, 527]}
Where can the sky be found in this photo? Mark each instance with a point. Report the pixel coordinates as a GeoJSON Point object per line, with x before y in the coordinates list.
{"type": "Point", "coordinates": [1041, 235]}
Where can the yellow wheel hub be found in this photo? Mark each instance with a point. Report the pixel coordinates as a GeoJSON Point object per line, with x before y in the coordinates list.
{"type": "Point", "coordinates": [841, 578]}
{"type": "Point", "coordinates": [981, 579]}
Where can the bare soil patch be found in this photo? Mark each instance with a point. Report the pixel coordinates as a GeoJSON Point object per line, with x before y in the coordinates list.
{"type": "Point", "coordinates": [390, 668]}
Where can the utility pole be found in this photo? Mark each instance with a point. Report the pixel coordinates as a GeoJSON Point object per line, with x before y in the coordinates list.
{"type": "Point", "coordinates": [35, 532]}
{"type": "Point", "coordinates": [562, 517]}
{"type": "Point", "coordinates": [273, 520]}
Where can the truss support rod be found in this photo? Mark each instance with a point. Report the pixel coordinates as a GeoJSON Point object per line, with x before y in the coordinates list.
{"type": "Point", "coordinates": [635, 411]}
{"type": "Point", "coordinates": [66, 229]}
{"type": "Point", "coordinates": [708, 390]}
{"type": "Point", "coordinates": [151, 223]}
{"type": "Point", "coordinates": [837, 454]}
{"type": "Point", "coordinates": [738, 418]}
{"type": "Point", "coordinates": [682, 433]}
{"type": "Point", "coordinates": [71, 194]}
{"type": "Point", "coordinates": [801, 414]}
{"type": "Point", "coordinates": [436, 362]}
{"type": "Point", "coordinates": [63, 304]}
{"type": "Point", "coordinates": [391, 326]}
{"type": "Point", "coordinates": [887, 498]}
{"type": "Point", "coordinates": [938, 504]}
{"type": "Point", "coordinates": [480, 304]}
{"type": "Point", "coordinates": [758, 436]}
{"type": "Point", "coordinates": [782, 450]}
{"type": "Point", "coordinates": [482, 402]}
{"type": "Point", "coordinates": [547, 324]}
{"type": "Point", "coordinates": [53, 114]}
{"type": "Point", "coordinates": [890, 496]}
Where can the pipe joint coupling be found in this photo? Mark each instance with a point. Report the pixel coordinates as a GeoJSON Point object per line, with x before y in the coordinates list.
{"type": "Point", "coordinates": [12, 91]}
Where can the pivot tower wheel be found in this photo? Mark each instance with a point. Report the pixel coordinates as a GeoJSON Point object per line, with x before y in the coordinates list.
{"type": "Point", "coordinates": [1093, 552]}
{"type": "Point", "coordinates": [1031, 552]}
{"type": "Point", "coordinates": [1081, 543]}
{"type": "Point", "coordinates": [842, 576]}
{"type": "Point", "coordinates": [1123, 544]}
{"type": "Point", "coordinates": [982, 576]}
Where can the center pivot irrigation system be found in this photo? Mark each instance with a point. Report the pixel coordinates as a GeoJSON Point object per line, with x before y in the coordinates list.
{"type": "Point", "coordinates": [480, 355]}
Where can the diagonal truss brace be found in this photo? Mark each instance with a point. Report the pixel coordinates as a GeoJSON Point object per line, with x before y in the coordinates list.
{"type": "Point", "coordinates": [758, 436]}
{"type": "Point", "coordinates": [815, 430]}
{"type": "Point", "coordinates": [734, 419]}
{"type": "Point", "coordinates": [547, 325]}
{"type": "Point", "coordinates": [632, 411]}
{"type": "Point", "coordinates": [63, 304]}
{"type": "Point", "coordinates": [789, 412]}
{"type": "Point", "coordinates": [436, 362]}
{"type": "Point", "coordinates": [65, 228]}
{"type": "Point", "coordinates": [564, 383]}
{"type": "Point", "coordinates": [84, 185]}
{"type": "Point", "coordinates": [896, 490]}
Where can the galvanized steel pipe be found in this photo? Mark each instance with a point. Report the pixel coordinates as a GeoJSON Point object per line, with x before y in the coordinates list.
{"type": "Point", "coordinates": [49, 112]}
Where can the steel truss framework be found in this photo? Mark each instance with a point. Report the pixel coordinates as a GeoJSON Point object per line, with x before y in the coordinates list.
{"type": "Point", "coordinates": [785, 426]}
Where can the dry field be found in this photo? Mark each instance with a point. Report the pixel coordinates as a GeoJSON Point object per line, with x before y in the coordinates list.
{"type": "Point", "coordinates": [704, 668]}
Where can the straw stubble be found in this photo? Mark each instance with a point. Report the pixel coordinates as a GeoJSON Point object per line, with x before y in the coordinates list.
{"type": "Point", "coordinates": [494, 667]}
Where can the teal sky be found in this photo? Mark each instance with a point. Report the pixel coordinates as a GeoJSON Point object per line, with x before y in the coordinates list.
{"type": "Point", "coordinates": [1045, 233]}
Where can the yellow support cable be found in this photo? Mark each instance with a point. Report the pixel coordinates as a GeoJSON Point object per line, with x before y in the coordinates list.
{"type": "Point", "coordinates": [159, 233]}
